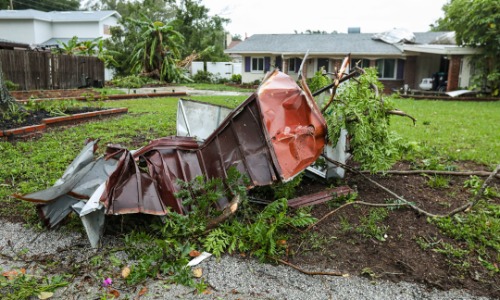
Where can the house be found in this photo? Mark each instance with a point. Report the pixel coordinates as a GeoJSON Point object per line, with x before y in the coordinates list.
{"type": "Point", "coordinates": [399, 61]}
{"type": "Point", "coordinates": [39, 29]}
{"type": "Point", "coordinates": [43, 28]}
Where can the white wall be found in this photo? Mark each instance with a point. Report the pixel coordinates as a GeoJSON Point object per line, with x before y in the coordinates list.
{"type": "Point", "coordinates": [196, 66]}
{"type": "Point", "coordinates": [110, 21]}
{"type": "Point", "coordinates": [80, 29]}
{"type": "Point", "coordinates": [21, 31]}
{"type": "Point", "coordinates": [219, 69]}
{"type": "Point", "coordinates": [43, 31]}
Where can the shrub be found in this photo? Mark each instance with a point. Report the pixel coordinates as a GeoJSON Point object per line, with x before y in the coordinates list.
{"type": "Point", "coordinates": [236, 78]}
{"type": "Point", "coordinates": [203, 77]}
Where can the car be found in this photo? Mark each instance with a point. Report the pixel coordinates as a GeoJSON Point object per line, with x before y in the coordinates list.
{"type": "Point", "coordinates": [426, 84]}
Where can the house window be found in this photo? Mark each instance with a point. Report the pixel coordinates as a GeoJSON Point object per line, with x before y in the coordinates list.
{"type": "Point", "coordinates": [361, 62]}
{"type": "Point", "coordinates": [291, 64]}
{"type": "Point", "coordinates": [257, 64]}
{"type": "Point", "coordinates": [386, 68]}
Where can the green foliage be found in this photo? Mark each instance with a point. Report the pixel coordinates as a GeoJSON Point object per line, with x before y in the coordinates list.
{"type": "Point", "coordinates": [370, 227]}
{"type": "Point", "coordinates": [318, 81]}
{"type": "Point", "coordinates": [437, 181]}
{"type": "Point", "coordinates": [158, 50]}
{"type": "Point", "coordinates": [287, 189]}
{"type": "Point", "coordinates": [479, 230]}
{"type": "Point", "coordinates": [476, 25]}
{"type": "Point", "coordinates": [363, 114]}
{"type": "Point", "coordinates": [132, 81]}
{"type": "Point", "coordinates": [60, 5]}
{"type": "Point", "coordinates": [11, 86]}
{"type": "Point", "coordinates": [25, 286]}
{"type": "Point", "coordinates": [236, 78]}
{"type": "Point", "coordinates": [165, 251]}
{"type": "Point", "coordinates": [13, 112]}
{"type": "Point", "coordinates": [474, 183]}
{"type": "Point", "coordinates": [203, 77]}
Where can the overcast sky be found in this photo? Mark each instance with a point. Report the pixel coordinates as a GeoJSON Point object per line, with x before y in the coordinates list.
{"type": "Point", "coordinates": [282, 16]}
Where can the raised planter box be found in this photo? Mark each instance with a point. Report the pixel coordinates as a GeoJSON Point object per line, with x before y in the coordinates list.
{"type": "Point", "coordinates": [114, 97]}
{"type": "Point", "coordinates": [34, 130]}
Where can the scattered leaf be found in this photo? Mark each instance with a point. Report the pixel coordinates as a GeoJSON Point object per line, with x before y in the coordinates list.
{"type": "Point", "coordinates": [207, 292]}
{"type": "Point", "coordinates": [45, 295]}
{"type": "Point", "coordinates": [143, 291]}
{"type": "Point", "coordinates": [125, 272]}
{"type": "Point", "coordinates": [23, 270]}
{"type": "Point", "coordinates": [194, 253]}
{"type": "Point", "coordinates": [197, 272]}
{"type": "Point", "coordinates": [10, 274]}
{"type": "Point", "coordinates": [114, 293]}
{"type": "Point", "coordinates": [281, 242]}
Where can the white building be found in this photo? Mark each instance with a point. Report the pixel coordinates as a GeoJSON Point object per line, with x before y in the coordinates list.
{"type": "Point", "coordinates": [38, 28]}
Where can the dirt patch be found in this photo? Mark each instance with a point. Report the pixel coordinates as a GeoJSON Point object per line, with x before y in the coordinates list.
{"type": "Point", "coordinates": [339, 243]}
{"type": "Point", "coordinates": [336, 244]}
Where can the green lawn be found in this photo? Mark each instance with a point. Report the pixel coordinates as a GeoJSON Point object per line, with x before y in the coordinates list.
{"type": "Point", "coordinates": [459, 130]}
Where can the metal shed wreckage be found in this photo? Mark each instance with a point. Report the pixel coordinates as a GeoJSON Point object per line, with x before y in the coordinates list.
{"type": "Point", "coordinates": [271, 137]}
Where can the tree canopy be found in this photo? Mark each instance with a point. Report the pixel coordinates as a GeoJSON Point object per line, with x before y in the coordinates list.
{"type": "Point", "coordinates": [477, 24]}
{"type": "Point", "coordinates": [191, 28]}
{"type": "Point", "coordinates": [43, 5]}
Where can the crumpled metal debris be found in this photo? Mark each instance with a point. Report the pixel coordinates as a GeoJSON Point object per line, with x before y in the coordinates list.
{"type": "Point", "coordinates": [272, 136]}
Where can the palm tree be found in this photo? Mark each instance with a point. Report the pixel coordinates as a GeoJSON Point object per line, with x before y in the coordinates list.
{"type": "Point", "coordinates": [158, 51]}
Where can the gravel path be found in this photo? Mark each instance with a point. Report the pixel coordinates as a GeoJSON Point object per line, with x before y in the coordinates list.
{"type": "Point", "coordinates": [228, 278]}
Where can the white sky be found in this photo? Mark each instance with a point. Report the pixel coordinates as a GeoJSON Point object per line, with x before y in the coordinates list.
{"type": "Point", "coordinates": [282, 16]}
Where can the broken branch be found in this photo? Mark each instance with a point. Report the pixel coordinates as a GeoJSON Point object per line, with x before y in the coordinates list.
{"type": "Point", "coordinates": [226, 213]}
{"type": "Point", "coordinates": [434, 172]}
{"type": "Point", "coordinates": [476, 199]}
{"type": "Point", "coordinates": [401, 113]}
{"type": "Point", "coordinates": [310, 272]}
{"type": "Point", "coordinates": [411, 205]}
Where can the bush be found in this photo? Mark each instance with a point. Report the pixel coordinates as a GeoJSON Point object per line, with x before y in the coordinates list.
{"type": "Point", "coordinates": [203, 77]}
{"type": "Point", "coordinates": [236, 78]}
{"type": "Point", "coordinates": [132, 81]}
{"type": "Point", "coordinates": [11, 86]}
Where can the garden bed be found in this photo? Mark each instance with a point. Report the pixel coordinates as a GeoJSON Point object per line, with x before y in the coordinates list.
{"type": "Point", "coordinates": [37, 122]}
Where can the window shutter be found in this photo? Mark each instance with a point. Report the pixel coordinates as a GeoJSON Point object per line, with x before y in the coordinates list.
{"type": "Point", "coordinates": [279, 63]}
{"type": "Point", "coordinates": [400, 69]}
{"type": "Point", "coordinates": [267, 63]}
{"type": "Point", "coordinates": [247, 63]}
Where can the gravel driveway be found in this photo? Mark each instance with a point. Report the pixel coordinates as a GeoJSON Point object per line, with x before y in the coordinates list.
{"type": "Point", "coordinates": [228, 278]}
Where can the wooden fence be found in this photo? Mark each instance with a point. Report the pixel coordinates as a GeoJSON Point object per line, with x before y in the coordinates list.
{"type": "Point", "coordinates": [43, 71]}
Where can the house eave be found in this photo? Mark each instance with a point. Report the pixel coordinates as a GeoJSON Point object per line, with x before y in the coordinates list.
{"type": "Point", "coordinates": [441, 49]}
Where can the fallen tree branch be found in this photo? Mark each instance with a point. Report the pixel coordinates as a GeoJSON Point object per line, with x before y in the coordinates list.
{"type": "Point", "coordinates": [433, 172]}
{"type": "Point", "coordinates": [402, 114]}
{"type": "Point", "coordinates": [476, 199]}
{"type": "Point", "coordinates": [226, 213]}
{"type": "Point", "coordinates": [310, 272]}
{"type": "Point", "coordinates": [411, 205]}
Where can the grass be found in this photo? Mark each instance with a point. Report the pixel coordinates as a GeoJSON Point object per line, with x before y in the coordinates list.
{"type": "Point", "coordinates": [459, 130]}
{"type": "Point", "coordinates": [35, 165]}
{"type": "Point", "coordinates": [217, 87]}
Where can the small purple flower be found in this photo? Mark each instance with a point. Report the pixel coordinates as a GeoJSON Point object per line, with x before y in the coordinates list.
{"type": "Point", "coordinates": [107, 282]}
